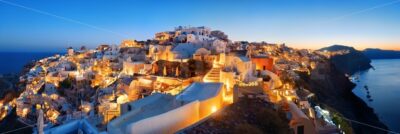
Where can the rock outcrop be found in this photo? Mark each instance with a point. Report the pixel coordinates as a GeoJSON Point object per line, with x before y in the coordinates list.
{"type": "Point", "coordinates": [348, 63]}
{"type": "Point", "coordinates": [334, 89]}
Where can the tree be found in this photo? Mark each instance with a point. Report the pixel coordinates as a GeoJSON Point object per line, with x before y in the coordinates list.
{"type": "Point", "coordinates": [266, 78]}
{"type": "Point", "coordinates": [220, 35]}
{"type": "Point", "coordinates": [192, 67]}
{"type": "Point", "coordinates": [67, 83]}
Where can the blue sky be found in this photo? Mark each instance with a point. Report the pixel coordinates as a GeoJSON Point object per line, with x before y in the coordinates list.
{"type": "Point", "coordinates": [298, 23]}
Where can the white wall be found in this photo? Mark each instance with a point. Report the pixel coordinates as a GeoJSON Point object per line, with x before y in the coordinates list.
{"type": "Point", "coordinates": [168, 122]}
{"type": "Point", "coordinates": [275, 78]}
{"type": "Point", "coordinates": [207, 105]}
{"type": "Point", "coordinates": [228, 78]}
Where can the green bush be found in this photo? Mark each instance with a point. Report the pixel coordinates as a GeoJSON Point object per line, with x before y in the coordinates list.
{"type": "Point", "coordinates": [67, 83]}
{"type": "Point", "coordinates": [344, 125]}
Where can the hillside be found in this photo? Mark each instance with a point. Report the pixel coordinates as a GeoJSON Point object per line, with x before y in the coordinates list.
{"type": "Point", "coordinates": [248, 116]}
{"type": "Point", "coordinates": [350, 62]}
{"type": "Point", "coordinates": [334, 48]}
{"type": "Point", "coordinates": [335, 90]}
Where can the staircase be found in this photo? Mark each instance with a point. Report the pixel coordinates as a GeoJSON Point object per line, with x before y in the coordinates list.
{"type": "Point", "coordinates": [213, 74]}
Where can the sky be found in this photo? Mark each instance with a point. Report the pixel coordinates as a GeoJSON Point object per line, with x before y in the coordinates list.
{"type": "Point", "coordinates": [54, 25]}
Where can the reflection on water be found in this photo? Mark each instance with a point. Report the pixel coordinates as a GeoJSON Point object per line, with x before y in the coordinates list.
{"type": "Point", "coordinates": [380, 89]}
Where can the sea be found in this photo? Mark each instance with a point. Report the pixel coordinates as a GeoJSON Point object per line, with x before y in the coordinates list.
{"type": "Point", "coordinates": [13, 62]}
{"type": "Point", "coordinates": [380, 89]}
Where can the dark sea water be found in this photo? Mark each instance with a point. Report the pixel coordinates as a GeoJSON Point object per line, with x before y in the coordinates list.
{"type": "Point", "coordinates": [383, 85]}
{"type": "Point", "coordinates": [13, 62]}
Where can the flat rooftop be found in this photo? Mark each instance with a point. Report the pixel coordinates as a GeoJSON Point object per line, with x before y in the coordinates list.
{"type": "Point", "coordinates": [200, 91]}
{"type": "Point", "coordinates": [153, 105]}
{"type": "Point", "coordinates": [147, 107]}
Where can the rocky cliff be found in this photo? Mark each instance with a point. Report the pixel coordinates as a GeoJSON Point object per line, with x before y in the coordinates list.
{"type": "Point", "coordinates": [334, 89]}
{"type": "Point", "coordinates": [348, 63]}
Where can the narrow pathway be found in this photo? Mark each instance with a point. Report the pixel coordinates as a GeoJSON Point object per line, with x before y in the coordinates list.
{"type": "Point", "coordinates": [212, 75]}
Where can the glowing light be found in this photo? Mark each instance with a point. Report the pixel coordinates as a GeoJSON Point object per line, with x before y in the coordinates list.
{"type": "Point", "coordinates": [213, 109]}
{"type": "Point", "coordinates": [3, 115]}
{"type": "Point", "coordinates": [228, 99]}
{"type": "Point", "coordinates": [52, 115]}
{"type": "Point", "coordinates": [38, 106]}
{"type": "Point", "coordinates": [122, 99]}
{"type": "Point", "coordinates": [228, 86]}
{"type": "Point", "coordinates": [24, 112]}
{"type": "Point", "coordinates": [289, 98]}
{"type": "Point", "coordinates": [310, 113]}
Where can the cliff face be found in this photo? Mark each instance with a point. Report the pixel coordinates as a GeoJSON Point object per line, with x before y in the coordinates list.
{"type": "Point", "coordinates": [332, 88]}
{"type": "Point", "coordinates": [351, 62]}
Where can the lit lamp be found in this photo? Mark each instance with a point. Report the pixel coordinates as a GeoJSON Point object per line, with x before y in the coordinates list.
{"type": "Point", "coordinates": [213, 109]}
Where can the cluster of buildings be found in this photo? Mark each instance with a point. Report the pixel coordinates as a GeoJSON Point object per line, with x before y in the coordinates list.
{"type": "Point", "coordinates": [165, 84]}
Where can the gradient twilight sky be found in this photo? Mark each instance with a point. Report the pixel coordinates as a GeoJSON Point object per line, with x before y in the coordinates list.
{"type": "Point", "coordinates": [53, 25]}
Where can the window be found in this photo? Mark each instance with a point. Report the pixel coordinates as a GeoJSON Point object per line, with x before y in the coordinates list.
{"type": "Point", "coordinates": [300, 130]}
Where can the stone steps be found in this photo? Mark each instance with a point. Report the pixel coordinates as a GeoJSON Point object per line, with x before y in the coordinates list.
{"type": "Point", "coordinates": [212, 75]}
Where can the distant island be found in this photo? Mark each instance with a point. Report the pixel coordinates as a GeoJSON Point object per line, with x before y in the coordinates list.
{"type": "Point", "coordinates": [375, 53]}
{"type": "Point", "coordinates": [349, 60]}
